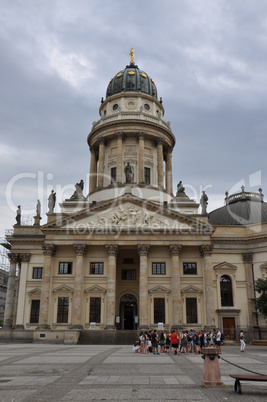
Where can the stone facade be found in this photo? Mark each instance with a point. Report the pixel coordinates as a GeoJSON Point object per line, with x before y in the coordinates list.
{"type": "Point", "coordinates": [129, 254]}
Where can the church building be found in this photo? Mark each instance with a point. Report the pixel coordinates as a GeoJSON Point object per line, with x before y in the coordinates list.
{"type": "Point", "coordinates": [133, 254]}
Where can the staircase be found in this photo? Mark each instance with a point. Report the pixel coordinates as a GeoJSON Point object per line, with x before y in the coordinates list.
{"type": "Point", "coordinates": [96, 337]}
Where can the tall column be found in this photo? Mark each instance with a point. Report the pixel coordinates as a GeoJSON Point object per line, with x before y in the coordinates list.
{"type": "Point", "coordinates": [169, 171]}
{"type": "Point", "coordinates": [93, 171]}
{"type": "Point", "coordinates": [175, 251]}
{"type": "Point", "coordinates": [160, 162]}
{"type": "Point", "coordinates": [112, 251]}
{"type": "Point", "coordinates": [119, 158]}
{"type": "Point", "coordinates": [25, 259]}
{"type": "Point", "coordinates": [49, 251]}
{"type": "Point", "coordinates": [9, 305]}
{"type": "Point", "coordinates": [80, 251]}
{"type": "Point", "coordinates": [206, 252]}
{"type": "Point", "coordinates": [143, 250]}
{"type": "Point", "coordinates": [248, 260]}
{"type": "Point", "coordinates": [141, 158]}
{"type": "Point", "coordinates": [101, 163]}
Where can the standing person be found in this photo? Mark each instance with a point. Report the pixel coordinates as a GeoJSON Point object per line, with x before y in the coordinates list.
{"type": "Point", "coordinates": [168, 342]}
{"type": "Point", "coordinates": [197, 342]}
{"type": "Point", "coordinates": [218, 339]}
{"type": "Point", "coordinates": [154, 341]}
{"type": "Point", "coordinates": [145, 342]}
{"type": "Point", "coordinates": [184, 343]}
{"type": "Point", "coordinates": [141, 342]}
{"type": "Point", "coordinates": [242, 342]}
{"type": "Point", "coordinates": [174, 342]}
{"type": "Point", "coordinates": [162, 342]}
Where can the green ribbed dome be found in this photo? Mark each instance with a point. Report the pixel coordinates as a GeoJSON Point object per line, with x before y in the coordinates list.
{"type": "Point", "coordinates": [131, 79]}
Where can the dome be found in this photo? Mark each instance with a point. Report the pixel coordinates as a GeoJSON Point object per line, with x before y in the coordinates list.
{"type": "Point", "coordinates": [131, 79]}
{"type": "Point", "coordinates": [241, 209]}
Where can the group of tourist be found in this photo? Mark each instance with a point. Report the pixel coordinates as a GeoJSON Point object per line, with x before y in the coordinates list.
{"type": "Point", "coordinates": [172, 342]}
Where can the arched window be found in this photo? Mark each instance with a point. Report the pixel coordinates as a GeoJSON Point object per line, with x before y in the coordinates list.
{"type": "Point", "coordinates": [226, 291]}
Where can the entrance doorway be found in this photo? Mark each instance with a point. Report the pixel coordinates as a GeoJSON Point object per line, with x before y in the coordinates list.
{"type": "Point", "coordinates": [229, 328]}
{"type": "Point", "coordinates": [128, 309]}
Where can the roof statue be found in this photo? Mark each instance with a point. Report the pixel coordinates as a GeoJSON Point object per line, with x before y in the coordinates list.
{"type": "Point", "coordinates": [180, 188]}
{"type": "Point", "coordinates": [18, 216]}
{"type": "Point", "coordinates": [79, 186]}
{"type": "Point", "coordinates": [204, 203]}
{"type": "Point", "coordinates": [38, 208]}
{"type": "Point", "coordinates": [51, 202]}
{"type": "Point", "coordinates": [132, 56]}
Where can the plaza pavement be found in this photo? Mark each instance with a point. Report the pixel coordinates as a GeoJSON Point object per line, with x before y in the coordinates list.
{"type": "Point", "coordinates": [33, 372]}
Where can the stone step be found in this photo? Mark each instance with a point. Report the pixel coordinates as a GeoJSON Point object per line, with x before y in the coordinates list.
{"type": "Point", "coordinates": [107, 337]}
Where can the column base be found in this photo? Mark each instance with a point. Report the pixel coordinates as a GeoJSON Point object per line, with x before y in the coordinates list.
{"type": "Point", "coordinates": [43, 327]}
{"type": "Point", "coordinates": [7, 326]}
{"type": "Point", "coordinates": [177, 327]}
{"type": "Point", "coordinates": [110, 327]}
{"type": "Point", "coordinates": [78, 326]}
{"type": "Point", "coordinates": [143, 327]}
{"type": "Point", "coordinates": [19, 326]}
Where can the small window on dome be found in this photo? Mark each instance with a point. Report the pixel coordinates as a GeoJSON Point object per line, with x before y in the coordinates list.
{"type": "Point", "coordinates": [116, 106]}
{"type": "Point", "coordinates": [146, 106]}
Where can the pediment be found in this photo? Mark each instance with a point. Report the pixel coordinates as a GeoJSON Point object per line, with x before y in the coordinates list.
{"type": "Point", "coordinates": [225, 266]}
{"type": "Point", "coordinates": [34, 292]}
{"type": "Point", "coordinates": [129, 213]}
{"type": "Point", "coordinates": [191, 289]}
{"type": "Point", "coordinates": [63, 289]}
{"type": "Point", "coordinates": [159, 289]}
{"type": "Point", "coordinates": [95, 289]}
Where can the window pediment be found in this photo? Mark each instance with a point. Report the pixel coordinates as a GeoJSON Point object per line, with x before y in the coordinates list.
{"type": "Point", "coordinates": [95, 289]}
{"type": "Point", "coordinates": [191, 289]}
{"type": "Point", "coordinates": [34, 292]}
{"type": "Point", "coordinates": [225, 268]}
{"type": "Point", "coordinates": [63, 289]}
{"type": "Point", "coordinates": [159, 289]}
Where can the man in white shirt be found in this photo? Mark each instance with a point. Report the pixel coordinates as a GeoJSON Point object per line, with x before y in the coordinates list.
{"type": "Point", "coordinates": [242, 342]}
{"type": "Point", "coordinates": [218, 339]}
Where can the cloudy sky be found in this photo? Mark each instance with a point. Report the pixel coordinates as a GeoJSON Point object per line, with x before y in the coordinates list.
{"type": "Point", "coordinates": [207, 58]}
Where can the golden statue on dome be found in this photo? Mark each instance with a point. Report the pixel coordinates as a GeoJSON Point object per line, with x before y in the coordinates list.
{"type": "Point", "coordinates": [132, 56]}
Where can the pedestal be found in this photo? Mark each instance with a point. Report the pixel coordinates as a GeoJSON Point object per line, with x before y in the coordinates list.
{"type": "Point", "coordinates": [211, 374]}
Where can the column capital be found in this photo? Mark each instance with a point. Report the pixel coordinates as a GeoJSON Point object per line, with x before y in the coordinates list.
{"type": "Point", "coordinates": [141, 135]}
{"type": "Point", "coordinates": [169, 150]}
{"type": "Point", "coordinates": [206, 250]}
{"type": "Point", "coordinates": [159, 141]}
{"type": "Point", "coordinates": [101, 140]}
{"type": "Point", "coordinates": [25, 257]}
{"type": "Point", "coordinates": [49, 249]}
{"type": "Point", "coordinates": [119, 134]}
{"type": "Point", "coordinates": [13, 257]}
{"type": "Point", "coordinates": [247, 257]}
{"type": "Point", "coordinates": [80, 249]}
{"type": "Point", "coordinates": [112, 249]}
{"type": "Point", "coordinates": [92, 148]}
{"type": "Point", "coordinates": [143, 249]}
{"type": "Point", "coordinates": [175, 249]}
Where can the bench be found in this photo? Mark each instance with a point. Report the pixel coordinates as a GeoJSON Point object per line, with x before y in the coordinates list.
{"type": "Point", "coordinates": [239, 378]}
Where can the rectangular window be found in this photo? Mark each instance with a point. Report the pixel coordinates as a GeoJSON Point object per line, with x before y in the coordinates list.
{"type": "Point", "coordinates": [191, 310]}
{"type": "Point", "coordinates": [37, 273]}
{"type": "Point", "coordinates": [95, 309]}
{"type": "Point", "coordinates": [113, 175]}
{"type": "Point", "coordinates": [96, 268]}
{"type": "Point", "coordinates": [190, 268]}
{"type": "Point", "coordinates": [158, 268]}
{"type": "Point", "coordinates": [159, 310]}
{"type": "Point", "coordinates": [35, 309]}
{"type": "Point", "coordinates": [147, 175]}
{"type": "Point", "coordinates": [65, 268]}
{"type": "Point", "coordinates": [63, 310]}
{"type": "Point", "coordinates": [128, 274]}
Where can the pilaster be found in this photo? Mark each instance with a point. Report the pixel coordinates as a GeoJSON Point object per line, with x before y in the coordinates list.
{"type": "Point", "coordinates": [119, 157]}
{"type": "Point", "coordinates": [25, 259]}
{"type": "Point", "coordinates": [93, 171]}
{"type": "Point", "coordinates": [101, 162]}
{"type": "Point", "coordinates": [206, 252]}
{"type": "Point", "coordinates": [175, 251]}
{"type": "Point", "coordinates": [143, 250]}
{"type": "Point", "coordinates": [112, 251]}
{"type": "Point", "coordinates": [48, 251]}
{"type": "Point", "coordinates": [80, 251]}
{"type": "Point", "coordinates": [248, 261]}
{"type": "Point", "coordinates": [141, 159]}
{"type": "Point", "coordinates": [160, 162]}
